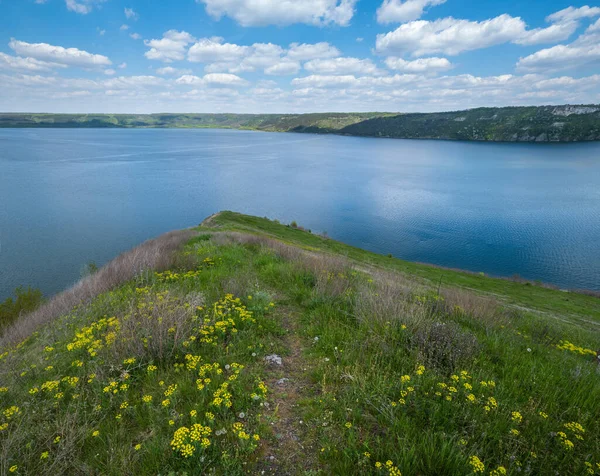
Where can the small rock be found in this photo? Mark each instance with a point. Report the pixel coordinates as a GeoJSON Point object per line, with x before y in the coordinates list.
{"type": "Point", "coordinates": [273, 359]}
{"type": "Point", "coordinates": [282, 381]}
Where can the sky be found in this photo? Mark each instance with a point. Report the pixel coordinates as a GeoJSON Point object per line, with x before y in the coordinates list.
{"type": "Point", "coordinates": [293, 56]}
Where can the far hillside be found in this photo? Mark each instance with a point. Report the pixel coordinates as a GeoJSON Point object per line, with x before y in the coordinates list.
{"type": "Point", "coordinates": [567, 123]}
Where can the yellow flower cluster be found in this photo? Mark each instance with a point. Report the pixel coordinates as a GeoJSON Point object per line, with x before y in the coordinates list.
{"type": "Point", "coordinates": [564, 441]}
{"type": "Point", "coordinates": [170, 276]}
{"type": "Point", "coordinates": [11, 412]}
{"type": "Point", "coordinates": [499, 471]}
{"type": "Point", "coordinates": [389, 466]}
{"type": "Point", "coordinates": [566, 345]}
{"type": "Point", "coordinates": [477, 465]}
{"type": "Point", "coordinates": [186, 440]}
{"type": "Point", "coordinates": [95, 336]}
{"type": "Point", "coordinates": [222, 396]}
{"type": "Point", "coordinates": [170, 390]}
{"type": "Point", "coordinates": [261, 391]}
{"type": "Point", "coordinates": [517, 417]}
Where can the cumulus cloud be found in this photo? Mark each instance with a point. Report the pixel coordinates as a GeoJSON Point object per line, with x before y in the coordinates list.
{"type": "Point", "coordinates": [131, 14]}
{"type": "Point", "coordinates": [308, 51]}
{"type": "Point", "coordinates": [571, 13]}
{"type": "Point", "coordinates": [26, 64]}
{"type": "Point", "coordinates": [58, 54]}
{"type": "Point", "coordinates": [283, 68]}
{"type": "Point", "coordinates": [420, 65]}
{"type": "Point", "coordinates": [219, 79]}
{"type": "Point", "coordinates": [124, 27]}
{"type": "Point", "coordinates": [109, 72]}
{"type": "Point", "coordinates": [208, 50]}
{"type": "Point", "coordinates": [585, 50]}
{"type": "Point", "coordinates": [452, 36]}
{"type": "Point", "coordinates": [392, 11]}
{"type": "Point", "coordinates": [342, 65]}
{"type": "Point", "coordinates": [282, 12]}
{"type": "Point", "coordinates": [551, 34]}
{"type": "Point", "coordinates": [171, 47]}
{"type": "Point", "coordinates": [560, 57]}
{"type": "Point", "coordinates": [222, 57]}
{"type": "Point", "coordinates": [82, 7]}
{"type": "Point", "coordinates": [126, 82]}
{"type": "Point", "coordinates": [170, 71]}
{"type": "Point", "coordinates": [135, 36]}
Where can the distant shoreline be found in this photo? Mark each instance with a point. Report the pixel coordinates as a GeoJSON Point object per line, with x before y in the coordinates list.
{"type": "Point", "coordinates": [536, 124]}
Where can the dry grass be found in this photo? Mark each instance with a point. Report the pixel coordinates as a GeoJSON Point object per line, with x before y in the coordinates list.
{"type": "Point", "coordinates": [482, 308]}
{"type": "Point", "coordinates": [387, 299]}
{"type": "Point", "coordinates": [157, 254]}
{"type": "Point", "coordinates": [163, 319]}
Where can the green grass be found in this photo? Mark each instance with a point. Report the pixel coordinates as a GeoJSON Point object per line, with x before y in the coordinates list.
{"type": "Point", "coordinates": [380, 367]}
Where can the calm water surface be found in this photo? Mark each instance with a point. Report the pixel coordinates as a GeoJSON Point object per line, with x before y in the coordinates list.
{"type": "Point", "coordinates": [71, 196]}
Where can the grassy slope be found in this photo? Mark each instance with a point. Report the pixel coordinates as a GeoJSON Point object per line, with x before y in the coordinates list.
{"type": "Point", "coordinates": [578, 307]}
{"type": "Point", "coordinates": [377, 366]}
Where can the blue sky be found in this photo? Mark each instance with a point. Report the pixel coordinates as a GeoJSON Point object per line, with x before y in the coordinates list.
{"type": "Point", "coordinates": [295, 55]}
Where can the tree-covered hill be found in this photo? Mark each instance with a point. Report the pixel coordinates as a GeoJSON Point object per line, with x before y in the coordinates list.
{"type": "Point", "coordinates": [567, 123]}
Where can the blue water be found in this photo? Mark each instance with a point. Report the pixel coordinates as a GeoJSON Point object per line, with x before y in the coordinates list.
{"type": "Point", "coordinates": [71, 196]}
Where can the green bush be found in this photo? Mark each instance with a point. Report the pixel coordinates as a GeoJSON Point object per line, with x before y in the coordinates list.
{"type": "Point", "coordinates": [25, 300]}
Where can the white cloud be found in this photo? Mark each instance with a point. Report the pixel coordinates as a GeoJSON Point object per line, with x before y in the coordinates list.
{"type": "Point", "coordinates": [572, 13]}
{"type": "Point", "coordinates": [452, 36]}
{"type": "Point", "coordinates": [324, 81]}
{"type": "Point", "coordinates": [131, 14]}
{"type": "Point", "coordinates": [585, 50]}
{"type": "Point", "coordinates": [109, 72]}
{"type": "Point", "coordinates": [58, 54]}
{"type": "Point", "coordinates": [100, 32]}
{"type": "Point", "coordinates": [219, 79]}
{"type": "Point", "coordinates": [420, 65]}
{"type": "Point", "coordinates": [282, 12]}
{"type": "Point", "coordinates": [124, 27]}
{"type": "Point", "coordinates": [82, 7]}
{"type": "Point", "coordinates": [135, 36]}
{"type": "Point", "coordinates": [308, 51]}
{"type": "Point", "coordinates": [342, 65]}
{"type": "Point", "coordinates": [560, 57]}
{"type": "Point", "coordinates": [26, 64]}
{"type": "Point", "coordinates": [284, 68]}
{"type": "Point", "coordinates": [126, 82]}
{"type": "Point", "coordinates": [170, 71]}
{"type": "Point", "coordinates": [392, 11]}
{"type": "Point", "coordinates": [170, 48]}
{"type": "Point", "coordinates": [229, 57]}
{"type": "Point", "coordinates": [569, 82]}
{"type": "Point", "coordinates": [208, 50]}
{"type": "Point", "coordinates": [123, 66]}
{"type": "Point", "coordinates": [224, 79]}
{"type": "Point", "coordinates": [551, 34]}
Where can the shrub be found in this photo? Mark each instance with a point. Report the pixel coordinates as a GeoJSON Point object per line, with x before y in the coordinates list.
{"type": "Point", "coordinates": [445, 345]}
{"type": "Point", "coordinates": [26, 300]}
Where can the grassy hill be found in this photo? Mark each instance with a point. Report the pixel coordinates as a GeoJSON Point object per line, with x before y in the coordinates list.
{"type": "Point", "coordinates": [508, 124]}
{"type": "Point", "coordinates": [244, 345]}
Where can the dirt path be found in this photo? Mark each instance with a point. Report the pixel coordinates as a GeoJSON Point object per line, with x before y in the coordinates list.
{"type": "Point", "coordinates": [288, 453]}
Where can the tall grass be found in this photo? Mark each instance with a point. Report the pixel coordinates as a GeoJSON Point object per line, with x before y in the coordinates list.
{"type": "Point", "coordinates": [156, 254]}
